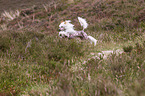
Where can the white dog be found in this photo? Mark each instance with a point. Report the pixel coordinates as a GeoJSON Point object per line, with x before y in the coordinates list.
{"type": "Point", "coordinates": [68, 31]}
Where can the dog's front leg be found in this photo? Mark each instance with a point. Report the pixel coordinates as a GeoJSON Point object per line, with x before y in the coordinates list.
{"type": "Point", "coordinates": [70, 37]}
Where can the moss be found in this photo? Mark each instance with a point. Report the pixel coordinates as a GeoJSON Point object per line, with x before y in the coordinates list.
{"type": "Point", "coordinates": [4, 43]}
{"type": "Point", "coordinates": [128, 48]}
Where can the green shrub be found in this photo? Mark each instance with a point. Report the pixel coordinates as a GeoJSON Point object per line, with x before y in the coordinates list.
{"type": "Point", "coordinates": [136, 88]}
{"type": "Point", "coordinates": [128, 48]}
{"type": "Point", "coordinates": [58, 49]}
{"type": "Point", "coordinates": [4, 43]}
{"type": "Point", "coordinates": [33, 56]}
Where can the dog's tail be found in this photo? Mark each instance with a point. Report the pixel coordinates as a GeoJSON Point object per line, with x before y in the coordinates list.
{"type": "Point", "coordinates": [83, 22]}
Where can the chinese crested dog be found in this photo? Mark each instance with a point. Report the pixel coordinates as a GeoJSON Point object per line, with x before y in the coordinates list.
{"type": "Point", "coordinates": [67, 31]}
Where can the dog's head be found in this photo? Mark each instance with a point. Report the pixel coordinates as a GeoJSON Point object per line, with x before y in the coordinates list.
{"type": "Point", "coordinates": [65, 25]}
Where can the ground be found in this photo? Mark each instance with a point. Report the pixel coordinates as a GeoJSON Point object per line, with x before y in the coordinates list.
{"type": "Point", "coordinates": [10, 5]}
{"type": "Point", "coordinates": [35, 61]}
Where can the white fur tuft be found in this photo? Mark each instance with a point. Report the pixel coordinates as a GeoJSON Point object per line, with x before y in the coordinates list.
{"type": "Point", "coordinates": [83, 22]}
{"type": "Point", "coordinates": [67, 26]}
{"type": "Point", "coordinates": [68, 21]}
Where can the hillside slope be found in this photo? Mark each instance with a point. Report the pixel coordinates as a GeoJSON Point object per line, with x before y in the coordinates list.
{"type": "Point", "coordinates": [35, 61]}
{"type": "Point", "coordinates": [10, 5]}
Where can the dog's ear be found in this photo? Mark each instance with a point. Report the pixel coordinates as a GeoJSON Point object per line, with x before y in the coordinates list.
{"type": "Point", "coordinates": [62, 21]}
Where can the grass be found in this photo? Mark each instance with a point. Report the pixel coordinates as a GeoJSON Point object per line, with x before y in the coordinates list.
{"type": "Point", "coordinates": [35, 61]}
{"type": "Point", "coordinates": [11, 16]}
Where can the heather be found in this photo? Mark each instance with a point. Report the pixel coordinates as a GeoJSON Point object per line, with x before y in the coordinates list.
{"type": "Point", "coordinates": [35, 61]}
